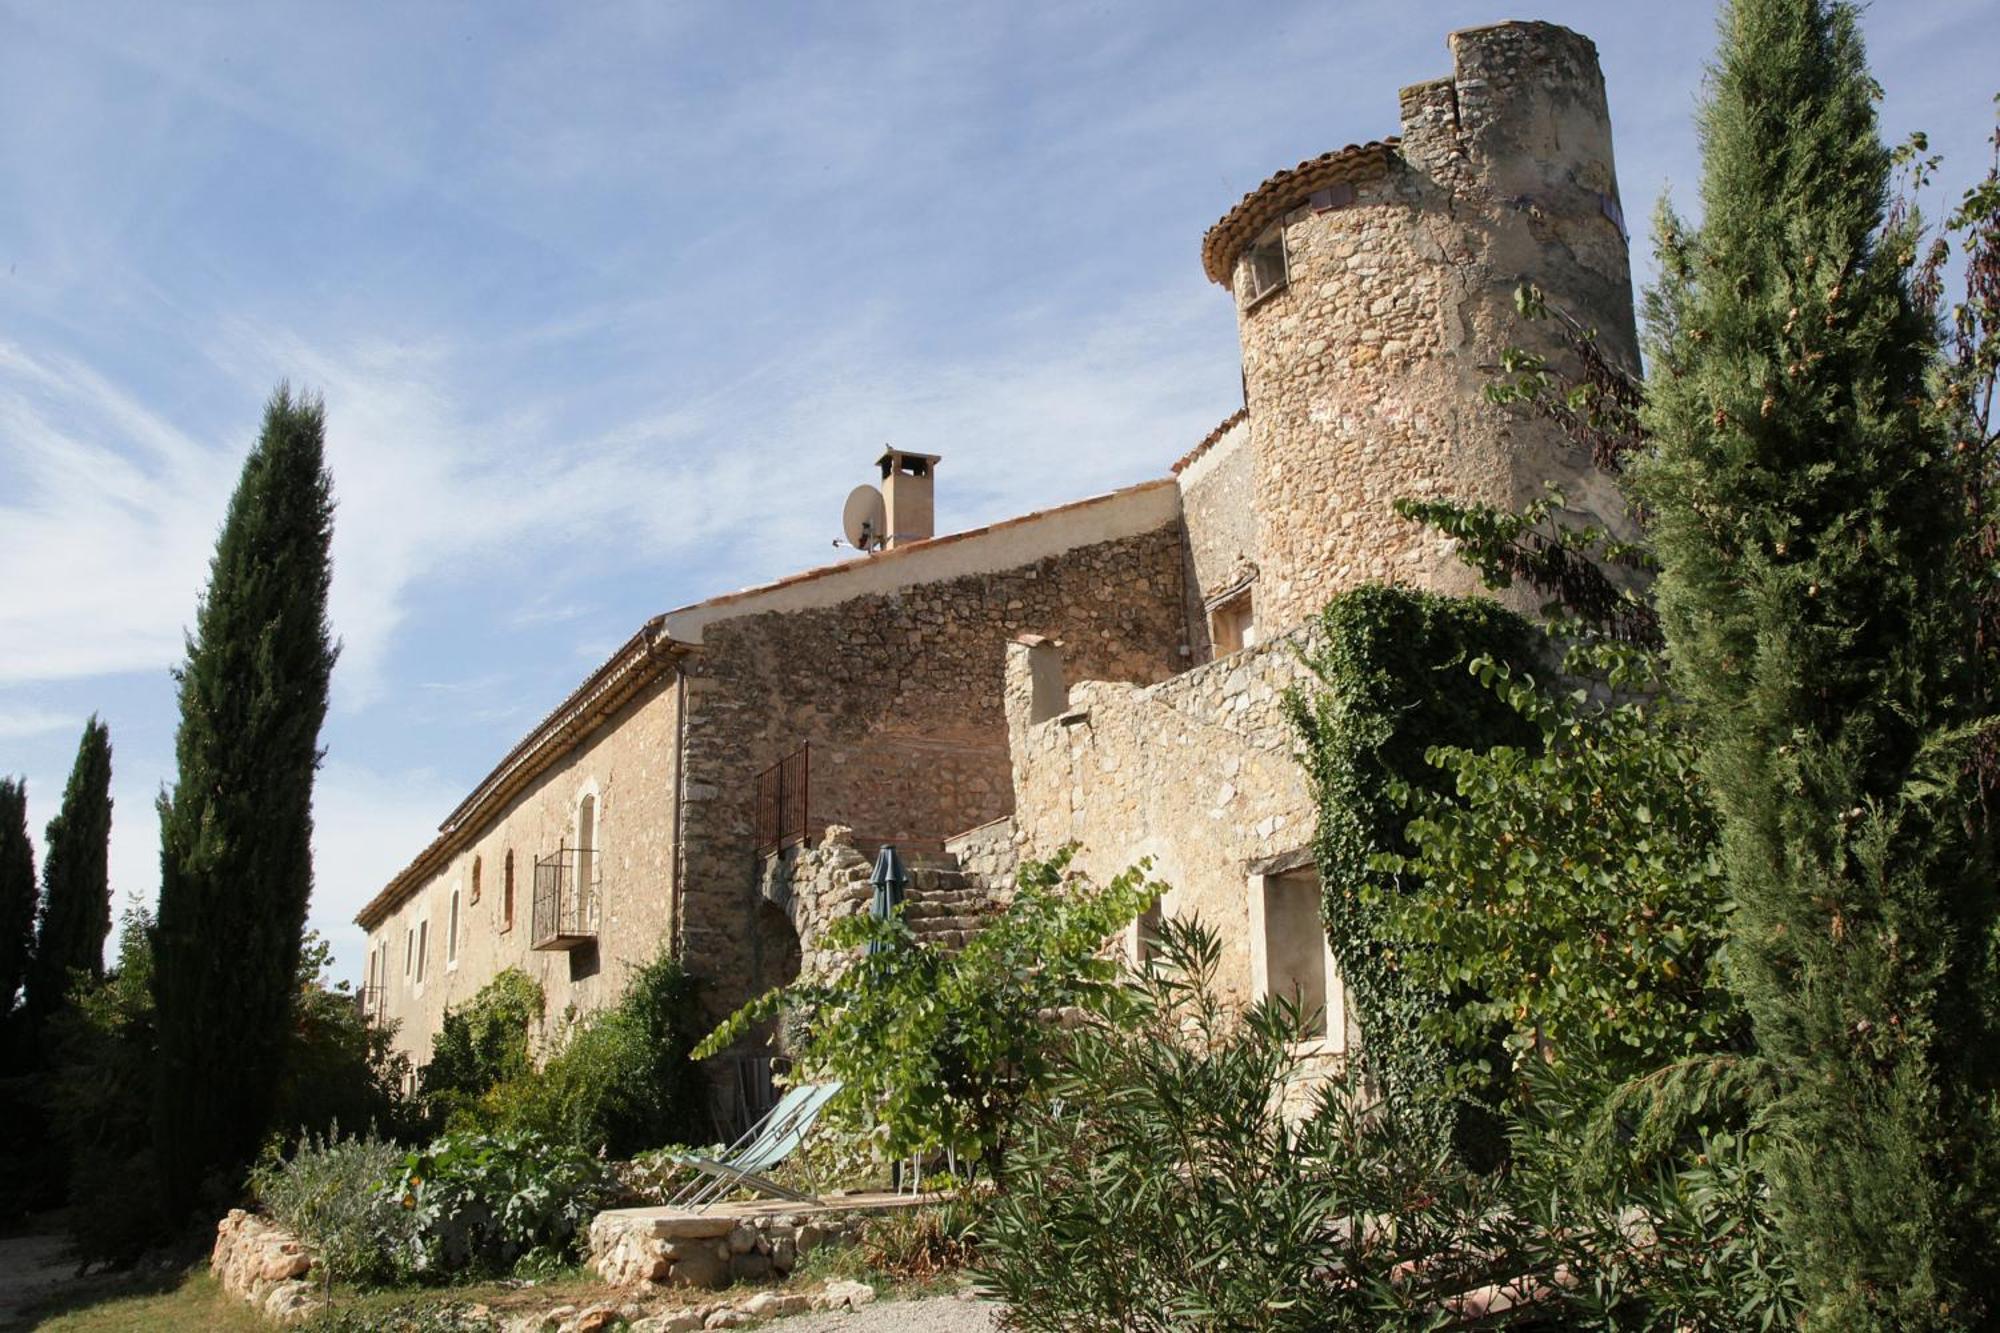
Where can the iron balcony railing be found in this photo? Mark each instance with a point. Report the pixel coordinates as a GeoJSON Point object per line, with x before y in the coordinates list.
{"type": "Point", "coordinates": [782, 791]}
{"type": "Point", "coordinates": [567, 897]}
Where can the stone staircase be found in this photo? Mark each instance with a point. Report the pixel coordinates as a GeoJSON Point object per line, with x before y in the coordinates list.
{"type": "Point", "coordinates": [945, 904]}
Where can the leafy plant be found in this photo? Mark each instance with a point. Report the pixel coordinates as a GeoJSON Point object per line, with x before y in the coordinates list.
{"type": "Point", "coordinates": [936, 1048]}
{"type": "Point", "coordinates": [1574, 886]}
{"type": "Point", "coordinates": [330, 1193]}
{"type": "Point", "coordinates": [480, 1044]}
{"type": "Point", "coordinates": [483, 1203]}
{"type": "Point", "coordinates": [623, 1081]}
{"type": "Point", "coordinates": [1390, 665]}
{"type": "Point", "coordinates": [1157, 1184]}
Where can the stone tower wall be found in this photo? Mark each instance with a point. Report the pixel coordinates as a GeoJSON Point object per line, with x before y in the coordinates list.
{"type": "Point", "coordinates": [1365, 372]}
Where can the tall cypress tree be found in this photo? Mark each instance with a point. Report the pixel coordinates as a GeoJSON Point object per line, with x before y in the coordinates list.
{"type": "Point", "coordinates": [76, 878]}
{"type": "Point", "coordinates": [1805, 519]}
{"type": "Point", "coordinates": [236, 831]}
{"type": "Point", "coordinates": [17, 891]}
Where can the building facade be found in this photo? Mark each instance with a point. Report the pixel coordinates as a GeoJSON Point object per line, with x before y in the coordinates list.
{"type": "Point", "coordinates": [1107, 673]}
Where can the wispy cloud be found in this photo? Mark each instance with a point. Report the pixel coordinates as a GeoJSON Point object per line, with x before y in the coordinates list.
{"type": "Point", "coordinates": [17, 723]}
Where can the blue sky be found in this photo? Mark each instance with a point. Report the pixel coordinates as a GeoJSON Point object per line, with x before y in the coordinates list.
{"type": "Point", "coordinates": [611, 304]}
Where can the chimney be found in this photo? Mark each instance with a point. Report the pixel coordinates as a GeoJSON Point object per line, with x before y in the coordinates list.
{"type": "Point", "coordinates": [906, 490]}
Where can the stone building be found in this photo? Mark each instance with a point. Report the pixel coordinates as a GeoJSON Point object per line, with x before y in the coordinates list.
{"type": "Point", "coordinates": [1106, 673]}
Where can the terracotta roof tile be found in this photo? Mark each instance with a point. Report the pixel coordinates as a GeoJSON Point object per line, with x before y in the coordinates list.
{"type": "Point", "coordinates": [1280, 194]}
{"type": "Point", "coordinates": [1229, 423]}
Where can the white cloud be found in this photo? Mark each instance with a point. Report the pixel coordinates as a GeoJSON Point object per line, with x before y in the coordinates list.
{"type": "Point", "coordinates": [366, 827]}
{"type": "Point", "coordinates": [18, 723]}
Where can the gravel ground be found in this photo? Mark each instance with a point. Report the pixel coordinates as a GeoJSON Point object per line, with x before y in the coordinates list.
{"type": "Point", "coordinates": [931, 1314]}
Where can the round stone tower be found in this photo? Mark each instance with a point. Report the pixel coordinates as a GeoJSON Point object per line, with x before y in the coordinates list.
{"type": "Point", "coordinates": [1375, 292]}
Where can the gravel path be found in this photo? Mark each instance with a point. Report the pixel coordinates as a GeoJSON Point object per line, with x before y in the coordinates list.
{"type": "Point", "coordinates": [931, 1314]}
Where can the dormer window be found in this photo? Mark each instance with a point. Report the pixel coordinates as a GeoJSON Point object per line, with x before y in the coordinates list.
{"type": "Point", "coordinates": [1263, 268]}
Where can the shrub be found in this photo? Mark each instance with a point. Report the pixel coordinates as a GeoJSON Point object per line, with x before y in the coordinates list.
{"type": "Point", "coordinates": [935, 1048]}
{"type": "Point", "coordinates": [483, 1203]}
{"type": "Point", "coordinates": [1391, 666]}
{"type": "Point", "coordinates": [330, 1193]}
{"type": "Point", "coordinates": [623, 1082]}
{"type": "Point", "coordinates": [481, 1044]}
{"type": "Point", "coordinates": [1158, 1185]}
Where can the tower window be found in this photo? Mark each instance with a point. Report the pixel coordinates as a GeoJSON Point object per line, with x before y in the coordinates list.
{"type": "Point", "coordinates": [1232, 624]}
{"type": "Point", "coordinates": [1264, 269]}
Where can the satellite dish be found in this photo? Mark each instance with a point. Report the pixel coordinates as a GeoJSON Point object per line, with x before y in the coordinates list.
{"type": "Point", "coordinates": [865, 520]}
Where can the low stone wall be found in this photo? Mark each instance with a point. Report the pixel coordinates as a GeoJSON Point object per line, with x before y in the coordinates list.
{"type": "Point", "coordinates": [988, 854]}
{"type": "Point", "coordinates": [258, 1261]}
{"type": "Point", "coordinates": [654, 1247]}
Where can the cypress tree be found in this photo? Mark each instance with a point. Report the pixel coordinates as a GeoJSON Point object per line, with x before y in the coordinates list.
{"type": "Point", "coordinates": [17, 891]}
{"type": "Point", "coordinates": [76, 878]}
{"type": "Point", "coordinates": [1805, 518]}
{"type": "Point", "coordinates": [236, 830]}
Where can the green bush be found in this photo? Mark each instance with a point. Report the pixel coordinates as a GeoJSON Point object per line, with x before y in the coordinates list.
{"type": "Point", "coordinates": [623, 1082]}
{"type": "Point", "coordinates": [485, 1203]}
{"type": "Point", "coordinates": [937, 1048]}
{"type": "Point", "coordinates": [1392, 684]}
{"type": "Point", "coordinates": [481, 1044]}
{"type": "Point", "coordinates": [1157, 1185]}
{"type": "Point", "coordinates": [331, 1194]}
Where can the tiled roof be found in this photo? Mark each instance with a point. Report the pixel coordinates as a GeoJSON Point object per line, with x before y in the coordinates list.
{"type": "Point", "coordinates": [1283, 192]}
{"type": "Point", "coordinates": [1229, 423]}
{"type": "Point", "coordinates": [630, 669]}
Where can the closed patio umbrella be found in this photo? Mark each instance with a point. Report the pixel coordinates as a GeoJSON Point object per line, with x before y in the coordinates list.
{"type": "Point", "coordinates": [889, 880]}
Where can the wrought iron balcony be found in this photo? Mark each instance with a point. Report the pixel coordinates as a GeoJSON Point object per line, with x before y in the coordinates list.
{"type": "Point", "coordinates": [566, 898]}
{"type": "Point", "coordinates": [782, 788]}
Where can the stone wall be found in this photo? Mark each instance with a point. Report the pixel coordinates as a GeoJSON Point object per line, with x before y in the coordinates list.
{"type": "Point", "coordinates": [899, 696]}
{"type": "Point", "coordinates": [657, 1247]}
{"type": "Point", "coordinates": [1199, 772]}
{"type": "Point", "coordinates": [629, 766]}
{"type": "Point", "coordinates": [1219, 512]}
{"type": "Point", "coordinates": [988, 855]}
{"type": "Point", "coordinates": [1365, 372]}
{"type": "Point", "coordinates": [258, 1261]}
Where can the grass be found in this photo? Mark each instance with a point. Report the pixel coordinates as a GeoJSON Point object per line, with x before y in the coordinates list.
{"type": "Point", "coordinates": [195, 1300]}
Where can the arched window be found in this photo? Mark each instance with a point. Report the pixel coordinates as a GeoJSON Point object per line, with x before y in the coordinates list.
{"type": "Point", "coordinates": [451, 934]}
{"type": "Point", "coordinates": [507, 891]}
{"type": "Point", "coordinates": [475, 879]}
{"type": "Point", "coordinates": [586, 843]}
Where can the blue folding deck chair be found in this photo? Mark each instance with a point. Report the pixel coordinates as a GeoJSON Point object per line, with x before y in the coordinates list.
{"type": "Point", "coordinates": [766, 1144]}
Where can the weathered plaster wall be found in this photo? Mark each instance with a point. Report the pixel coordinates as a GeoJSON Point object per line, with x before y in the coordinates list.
{"type": "Point", "coordinates": [1219, 514]}
{"type": "Point", "coordinates": [899, 694]}
{"type": "Point", "coordinates": [630, 765]}
{"type": "Point", "coordinates": [1198, 772]}
{"type": "Point", "coordinates": [1365, 372]}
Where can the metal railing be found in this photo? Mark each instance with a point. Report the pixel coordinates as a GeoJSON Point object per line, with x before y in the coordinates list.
{"type": "Point", "coordinates": [566, 898]}
{"type": "Point", "coordinates": [782, 793]}
{"type": "Point", "coordinates": [368, 999]}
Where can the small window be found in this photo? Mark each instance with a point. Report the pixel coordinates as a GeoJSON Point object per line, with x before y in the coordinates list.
{"type": "Point", "coordinates": [423, 947]}
{"type": "Point", "coordinates": [507, 891]}
{"type": "Point", "coordinates": [475, 881]}
{"type": "Point", "coordinates": [1146, 935]}
{"type": "Point", "coordinates": [1264, 268]}
{"type": "Point", "coordinates": [1232, 625]}
{"type": "Point", "coordinates": [1292, 956]}
{"type": "Point", "coordinates": [409, 951]}
{"type": "Point", "coordinates": [451, 933]}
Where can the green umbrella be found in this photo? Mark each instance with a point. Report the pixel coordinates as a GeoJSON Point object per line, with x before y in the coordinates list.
{"type": "Point", "coordinates": [889, 879]}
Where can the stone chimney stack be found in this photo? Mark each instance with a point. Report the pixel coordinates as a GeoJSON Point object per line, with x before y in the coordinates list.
{"type": "Point", "coordinates": [906, 492]}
